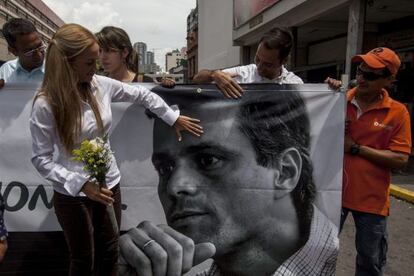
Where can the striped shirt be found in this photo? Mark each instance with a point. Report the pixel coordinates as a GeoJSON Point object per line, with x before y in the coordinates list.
{"type": "Point", "coordinates": [316, 258]}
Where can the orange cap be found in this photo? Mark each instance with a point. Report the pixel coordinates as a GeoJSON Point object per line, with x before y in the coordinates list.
{"type": "Point", "coordinates": [379, 58]}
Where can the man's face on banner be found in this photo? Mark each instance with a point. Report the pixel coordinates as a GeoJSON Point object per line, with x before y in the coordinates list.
{"type": "Point", "coordinates": [212, 188]}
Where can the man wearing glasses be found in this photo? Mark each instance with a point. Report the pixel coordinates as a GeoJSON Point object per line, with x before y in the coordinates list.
{"type": "Point", "coordinates": [377, 139]}
{"type": "Point", "coordinates": [24, 42]}
{"type": "Point", "coordinates": [271, 55]}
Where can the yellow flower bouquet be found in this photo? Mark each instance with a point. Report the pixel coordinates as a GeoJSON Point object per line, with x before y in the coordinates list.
{"type": "Point", "coordinates": [96, 156]}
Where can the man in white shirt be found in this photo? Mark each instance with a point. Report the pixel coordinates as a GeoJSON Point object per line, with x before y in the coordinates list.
{"type": "Point", "coordinates": [268, 67]}
{"type": "Point", "coordinates": [25, 43]}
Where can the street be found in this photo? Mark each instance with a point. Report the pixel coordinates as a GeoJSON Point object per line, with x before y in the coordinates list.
{"type": "Point", "coordinates": [400, 243]}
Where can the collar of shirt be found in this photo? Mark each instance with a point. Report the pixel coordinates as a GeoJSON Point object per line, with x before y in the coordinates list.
{"type": "Point", "coordinates": [19, 67]}
{"type": "Point", "coordinates": [384, 103]}
{"type": "Point", "coordinates": [283, 75]}
{"type": "Point", "coordinates": [316, 258]}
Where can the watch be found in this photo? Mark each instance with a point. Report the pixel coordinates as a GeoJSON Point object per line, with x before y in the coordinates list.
{"type": "Point", "coordinates": [354, 150]}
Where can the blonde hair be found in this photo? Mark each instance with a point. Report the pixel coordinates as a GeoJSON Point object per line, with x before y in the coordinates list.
{"type": "Point", "coordinates": [60, 85]}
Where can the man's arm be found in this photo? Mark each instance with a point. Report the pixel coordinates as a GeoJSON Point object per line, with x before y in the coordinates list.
{"type": "Point", "coordinates": [224, 81]}
{"type": "Point", "coordinates": [203, 76]}
{"type": "Point", "coordinates": [386, 158]}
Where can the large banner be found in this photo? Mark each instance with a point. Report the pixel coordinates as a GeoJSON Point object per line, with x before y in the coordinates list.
{"type": "Point", "coordinates": [28, 196]}
{"type": "Point", "coordinates": [273, 156]}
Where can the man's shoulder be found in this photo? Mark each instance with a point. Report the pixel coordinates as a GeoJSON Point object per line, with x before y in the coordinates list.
{"type": "Point", "coordinates": [248, 67]}
{"type": "Point", "coordinates": [9, 66]}
{"type": "Point", "coordinates": [398, 107]}
{"type": "Point", "coordinates": [294, 79]}
{"type": "Point", "coordinates": [291, 78]}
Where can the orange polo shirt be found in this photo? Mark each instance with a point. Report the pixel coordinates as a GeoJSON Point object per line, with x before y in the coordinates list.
{"type": "Point", "coordinates": [385, 126]}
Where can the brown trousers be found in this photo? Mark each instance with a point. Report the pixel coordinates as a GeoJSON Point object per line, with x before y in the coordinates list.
{"type": "Point", "coordinates": [93, 245]}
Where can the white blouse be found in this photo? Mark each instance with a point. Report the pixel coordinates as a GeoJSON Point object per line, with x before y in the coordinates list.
{"type": "Point", "coordinates": [48, 154]}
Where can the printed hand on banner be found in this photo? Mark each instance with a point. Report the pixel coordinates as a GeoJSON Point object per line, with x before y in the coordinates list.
{"type": "Point", "coordinates": [187, 124]}
{"type": "Point", "coordinates": [227, 85]}
{"type": "Point", "coordinates": [159, 250]}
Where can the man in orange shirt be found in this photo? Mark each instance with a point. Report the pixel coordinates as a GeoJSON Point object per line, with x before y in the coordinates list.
{"type": "Point", "coordinates": [377, 139]}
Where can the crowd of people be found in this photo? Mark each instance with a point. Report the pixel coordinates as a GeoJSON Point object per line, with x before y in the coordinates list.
{"type": "Point", "coordinates": [73, 104]}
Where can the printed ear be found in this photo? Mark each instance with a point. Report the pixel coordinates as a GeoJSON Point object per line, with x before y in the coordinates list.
{"type": "Point", "coordinates": [288, 174]}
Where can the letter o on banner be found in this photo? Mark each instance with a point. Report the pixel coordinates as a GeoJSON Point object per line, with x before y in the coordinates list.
{"type": "Point", "coordinates": [24, 196]}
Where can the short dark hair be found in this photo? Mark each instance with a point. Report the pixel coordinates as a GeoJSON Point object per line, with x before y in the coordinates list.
{"type": "Point", "coordinates": [273, 123]}
{"type": "Point", "coordinates": [15, 27]}
{"type": "Point", "coordinates": [279, 38]}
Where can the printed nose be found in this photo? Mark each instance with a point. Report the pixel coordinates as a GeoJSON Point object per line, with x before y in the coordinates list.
{"type": "Point", "coordinates": [183, 182]}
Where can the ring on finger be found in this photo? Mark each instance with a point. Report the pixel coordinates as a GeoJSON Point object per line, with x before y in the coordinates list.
{"type": "Point", "coordinates": [148, 243]}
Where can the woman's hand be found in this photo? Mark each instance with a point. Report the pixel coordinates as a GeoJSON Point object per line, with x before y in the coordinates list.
{"type": "Point", "coordinates": [187, 124]}
{"type": "Point", "coordinates": [102, 195]}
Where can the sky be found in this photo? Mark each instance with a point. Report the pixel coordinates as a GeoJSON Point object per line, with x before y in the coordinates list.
{"type": "Point", "coordinates": [161, 24]}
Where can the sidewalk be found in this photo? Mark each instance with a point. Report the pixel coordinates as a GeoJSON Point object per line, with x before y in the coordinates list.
{"type": "Point", "coordinates": [403, 185]}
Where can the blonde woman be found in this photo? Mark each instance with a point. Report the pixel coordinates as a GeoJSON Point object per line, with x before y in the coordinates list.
{"type": "Point", "coordinates": [74, 104]}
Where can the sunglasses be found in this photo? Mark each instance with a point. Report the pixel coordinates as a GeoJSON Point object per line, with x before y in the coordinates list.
{"type": "Point", "coordinates": [369, 76]}
{"type": "Point", "coordinates": [30, 53]}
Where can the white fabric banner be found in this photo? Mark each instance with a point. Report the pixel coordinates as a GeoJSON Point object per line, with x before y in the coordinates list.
{"type": "Point", "coordinates": [28, 196]}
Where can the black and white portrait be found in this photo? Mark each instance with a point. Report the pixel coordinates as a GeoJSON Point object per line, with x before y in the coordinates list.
{"type": "Point", "coordinates": [259, 193]}
{"type": "Point", "coordinates": [243, 193]}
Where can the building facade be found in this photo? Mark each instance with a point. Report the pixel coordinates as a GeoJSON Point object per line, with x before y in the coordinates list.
{"type": "Point", "coordinates": [44, 19]}
{"type": "Point", "coordinates": [149, 57]}
{"type": "Point", "coordinates": [327, 34]}
{"type": "Point", "coordinates": [173, 59]}
{"type": "Point", "coordinates": [192, 43]}
{"type": "Point", "coordinates": [141, 49]}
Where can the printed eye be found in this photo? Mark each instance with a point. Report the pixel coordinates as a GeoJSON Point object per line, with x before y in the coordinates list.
{"type": "Point", "coordinates": [209, 162]}
{"type": "Point", "coordinates": [165, 169]}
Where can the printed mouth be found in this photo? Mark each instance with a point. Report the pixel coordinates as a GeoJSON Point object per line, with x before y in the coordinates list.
{"type": "Point", "coordinates": [183, 217]}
